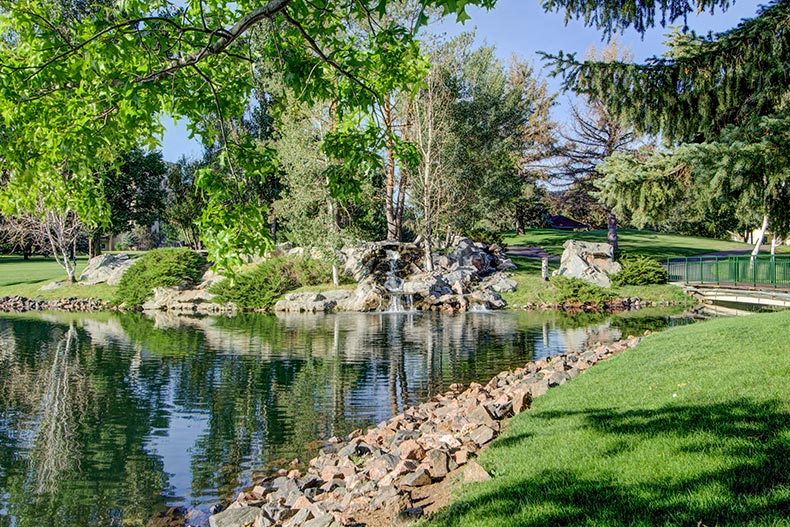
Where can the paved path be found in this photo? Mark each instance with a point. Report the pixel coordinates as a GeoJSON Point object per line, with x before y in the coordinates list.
{"type": "Point", "coordinates": [527, 251]}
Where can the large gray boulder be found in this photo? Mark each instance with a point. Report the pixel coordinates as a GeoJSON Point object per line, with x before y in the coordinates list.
{"type": "Point", "coordinates": [310, 302]}
{"type": "Point", "coordinates": [187, 301]}
{"type": "Point", "coordinates": [107, 268]}
{"type": "Point", "coordinates": [592, 262]}
{"type": "Point", "coordinates": [467, 253]}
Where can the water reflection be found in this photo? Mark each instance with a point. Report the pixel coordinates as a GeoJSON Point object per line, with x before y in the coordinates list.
{"type": "Point", "coordinates": [107, 419]}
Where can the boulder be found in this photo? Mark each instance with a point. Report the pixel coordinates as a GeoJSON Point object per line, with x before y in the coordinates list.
{"type": "Point", "coordinates": [466, 253]}
{"type": "Point", "coordinates": [426, 284]}
{"type": "Point", "coordinates": [238, 517]}
{"type": "Point", "coordinates": [592, 262]}
{"type": "Point", "coordinates": [190, 301]}
{"type": "Point", "coordinates": [305, 303]}
{"type": "Point", "coordinates": [105, 268]}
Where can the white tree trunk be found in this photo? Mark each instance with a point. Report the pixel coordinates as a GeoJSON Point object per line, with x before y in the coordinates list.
{"type": "Point", "coordinates": [760, 236]}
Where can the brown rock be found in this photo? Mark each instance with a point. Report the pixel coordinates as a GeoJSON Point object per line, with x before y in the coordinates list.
{"type": "Point", "coordinates": [411, 449]}
{"type": "Point", "coordinates": [437, 461]}
{"type": "Point", "coordinates": [418, 478]}
{"type": "Point", "coordinates": [480, 415]}
{"type": "Point", "coordinates": [462, 456]}
{"type": "Point", "coordinates": [522, 399]}
{"type": "Point", "coordinates": [302, 502]}
{"type": "Point", "coordinates": [474, 473]}
{"type": "Point", "coordinates": [482, 435]}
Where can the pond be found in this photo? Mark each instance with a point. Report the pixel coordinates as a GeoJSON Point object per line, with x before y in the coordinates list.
{"type": "Point", "coordinates": [107, 419]}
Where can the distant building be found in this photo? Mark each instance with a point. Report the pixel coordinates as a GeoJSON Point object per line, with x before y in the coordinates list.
{"type": "Point", "coordinates": [566, 224]}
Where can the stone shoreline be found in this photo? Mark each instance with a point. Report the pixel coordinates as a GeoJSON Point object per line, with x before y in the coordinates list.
{"type": "Point", "coordinates": [375, 474]}
{"type": "Point", "coordinates": [20, 304]}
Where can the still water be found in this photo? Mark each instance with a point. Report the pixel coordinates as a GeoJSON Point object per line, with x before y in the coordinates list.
{"type": "Point", "coordinates": [107, 419]}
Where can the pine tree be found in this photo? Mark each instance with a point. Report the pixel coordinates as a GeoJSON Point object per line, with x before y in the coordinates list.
{"type": "Point", "coordinates": [723, 97]}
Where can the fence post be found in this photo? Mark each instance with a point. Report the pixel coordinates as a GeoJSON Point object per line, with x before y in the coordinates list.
{"type": "Point", "coordinates": [701, 271]}
{"type": "Point", "coordinates": [773, 270]}
{"type": "Point", "coordinates": [735, 268]}
{"type": "Point", "coordinates": [716, 263]}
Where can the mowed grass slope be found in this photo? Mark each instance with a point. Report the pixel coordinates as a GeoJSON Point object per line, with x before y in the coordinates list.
{"type": "Point", "coordinates": [659, 246]}
{"type": "Point", "coordinates": [20, 277]}
{"type": "Point", "coordinates": [690, 428]}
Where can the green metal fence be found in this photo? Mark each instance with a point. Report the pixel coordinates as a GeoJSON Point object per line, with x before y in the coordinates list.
{"type": "Point", "coordinates": [735, 270]}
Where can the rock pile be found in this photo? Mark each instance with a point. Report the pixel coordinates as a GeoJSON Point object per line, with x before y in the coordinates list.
{"type": "Point", "coordinates": [20, 304]}
{"type": "Point", "coordinates": [379, 469]}
{"type": "Point", "coordinates": [391, 277]}
{"type": "Point", "coordinates": [593, 262]}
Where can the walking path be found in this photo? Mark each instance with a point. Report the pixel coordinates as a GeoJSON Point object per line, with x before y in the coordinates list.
{"type": "Point", "coordinates": [527, 251]}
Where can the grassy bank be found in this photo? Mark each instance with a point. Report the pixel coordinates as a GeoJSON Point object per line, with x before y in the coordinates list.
{"type": "Point", "coordinates": [20, 277]}
{"type": "Point", "coordinates": [690, 428]}
{"type": "Point", "coordinates": [533, 289]}
{"type": "Point", "coordinates": [646, 243]}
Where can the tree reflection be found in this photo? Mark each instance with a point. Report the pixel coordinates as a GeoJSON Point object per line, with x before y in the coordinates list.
{"type": "Point", "coordinates": [106, 420]}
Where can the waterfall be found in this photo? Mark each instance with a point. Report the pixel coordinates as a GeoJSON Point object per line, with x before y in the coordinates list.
{"type": "Point", "coordinates": [399, 302]}
{"type": "Point", "coordinates": [478, 308]}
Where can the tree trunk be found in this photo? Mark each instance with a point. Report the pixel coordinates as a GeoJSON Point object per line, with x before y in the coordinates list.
{"type": "Point", "coordinates": [94, 245]}
{"type": "Point", "coordinates": [611, 235]}
{"type": "Point", "coordinates": [760, 236]}
{"type": "Point", "coordinates": [389, 189]}
{"type": "Point", "coordinates": [519, 225]}
{"type": "Point", "coordinates": [335, 275]}
{"type": "Point", "coordinates": [273, 230]}
{"type": "Point", "coordinates": [428, 252]}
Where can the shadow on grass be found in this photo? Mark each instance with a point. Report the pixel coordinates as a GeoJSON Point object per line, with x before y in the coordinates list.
{"type": "Point", "coordinates": [752, 440]}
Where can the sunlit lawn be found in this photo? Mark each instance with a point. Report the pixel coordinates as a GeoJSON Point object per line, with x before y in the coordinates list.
{"type": "Point", "coordinates": [25, 277]}
{"type": "Point", "coordinates": [690, 428]}
{"type": "Point", "coordinates": [647, 243]}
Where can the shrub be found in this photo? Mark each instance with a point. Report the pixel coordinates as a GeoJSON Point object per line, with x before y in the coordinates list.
{"type": "Point", "coordinates": [159, 268]}
{"type": "Point", "coordinates": [486, 236]}
{"type": "Point", "coordinates": [640, 270]}
{"type": "Point", "coordinates": [572, 290]}
{"type": "Point", "coordinates": [264, 285]}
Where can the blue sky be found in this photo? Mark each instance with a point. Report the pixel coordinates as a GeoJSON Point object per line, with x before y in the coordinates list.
{"type": "Point", "coordinates": [521, 27]}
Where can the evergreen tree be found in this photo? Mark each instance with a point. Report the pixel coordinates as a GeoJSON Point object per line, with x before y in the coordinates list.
{"type": "Point", "coordinates": [723, 97]}
{"type": "Point", "coordinates": [594, 134]}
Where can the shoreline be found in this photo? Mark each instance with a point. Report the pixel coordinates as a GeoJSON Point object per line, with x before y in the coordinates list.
{"type": "Point", "coordinates": [21, 304]}
{"type": "Point", "coordinates": [388, 473]}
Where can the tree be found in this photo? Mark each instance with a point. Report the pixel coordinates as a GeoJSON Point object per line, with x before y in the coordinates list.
{"type": "Point", "coordinates": [184, 202]}
{"type": "Point", "coordinates": [134, 189]}
{"type": "Point", "coordinates": [433, 134]}
{"type": "Point", "coordinates": [722, 97]}
{"type": "Point", "coordinates": [594, 134]}
{"type": "Point", "coordinates": [57, 230]}
{"type": "Point", "coordinates": [502, 115]}
{"type": "Point", "coordinates": [80, 84]}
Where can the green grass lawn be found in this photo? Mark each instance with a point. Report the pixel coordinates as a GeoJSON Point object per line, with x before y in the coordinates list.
{"type": "Point", "coordinates": [25, 277]}
{"type": "Point", "coordinates": [690, 428]}
{"type": "Point", "coordinates": [647, 243]}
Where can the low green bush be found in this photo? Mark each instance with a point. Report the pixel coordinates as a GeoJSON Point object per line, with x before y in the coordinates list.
{"type": "Point", "coordinates": [573, 290]}
{"type": "Point", "coordinates": [261, 287]}
{"type": "Point", "coordinates": [486, 236]}
{"type": "Point", "coordinates": [168, 267]}
{"type": "Point", "coordinates": [640, 270]}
